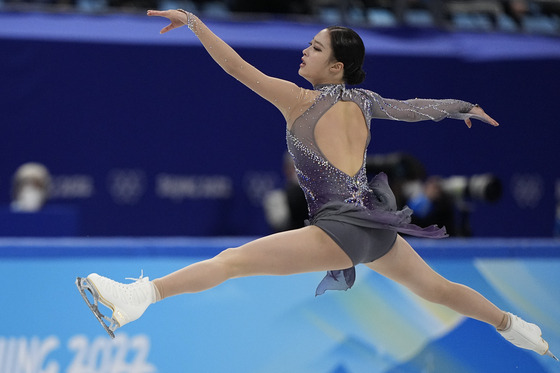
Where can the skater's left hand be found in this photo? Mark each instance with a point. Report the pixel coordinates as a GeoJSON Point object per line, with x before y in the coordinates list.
{"type": "Point", "coordinates": [478, 113]}
{"type": "Point", "coordinates": [176, 17]}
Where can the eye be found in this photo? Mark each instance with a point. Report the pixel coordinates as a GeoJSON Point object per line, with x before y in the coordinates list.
{"type": "Point", "coordinates": [314, 47]}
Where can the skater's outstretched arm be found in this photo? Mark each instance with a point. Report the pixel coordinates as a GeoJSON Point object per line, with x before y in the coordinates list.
{"type": "Point", "coordinates": [281, 93]}
{"type": "Point", "coordinates": [417, 109]}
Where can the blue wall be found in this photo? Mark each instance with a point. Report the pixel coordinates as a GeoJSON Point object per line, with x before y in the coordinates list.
{"type": "Point", "coordinates": [270, 324]}
{"type": "Point", "coordinates": [145, 135]}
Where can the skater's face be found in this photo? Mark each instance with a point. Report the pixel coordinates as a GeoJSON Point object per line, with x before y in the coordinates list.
{"type": "Point", "coordinates": [318, 65]}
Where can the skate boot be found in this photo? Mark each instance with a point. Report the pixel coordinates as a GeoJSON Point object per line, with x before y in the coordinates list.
{"type": "Point", "coordinates": [127, 301]}
{"type": "Point", "coordinates": [526, 335]}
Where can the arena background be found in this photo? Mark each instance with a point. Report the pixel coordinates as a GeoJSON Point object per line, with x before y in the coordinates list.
{"type": "Point", "coordinates": [145, 135]}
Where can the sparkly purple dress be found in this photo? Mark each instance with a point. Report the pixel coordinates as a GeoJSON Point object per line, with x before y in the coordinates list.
{"type": "Point", "coordinates": [335, 196]}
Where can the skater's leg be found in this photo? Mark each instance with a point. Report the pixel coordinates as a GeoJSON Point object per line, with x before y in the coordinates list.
{"type": "Point", "coordinates": [403, 265]}
{"type": "Point", "coordinates": [302, 250]}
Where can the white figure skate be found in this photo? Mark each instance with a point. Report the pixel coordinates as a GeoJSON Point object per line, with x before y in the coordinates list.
{"type": "Point", "coordinates": [526, 335]}
{"type": "Point", "coordinates": [127, 301]}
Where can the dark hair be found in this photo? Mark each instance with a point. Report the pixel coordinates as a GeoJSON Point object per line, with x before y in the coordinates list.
{"type": "Point", "coordinates": [348, 48]}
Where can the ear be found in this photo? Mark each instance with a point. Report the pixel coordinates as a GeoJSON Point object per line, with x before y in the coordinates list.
{"type": "Point", "coordinates": [337, 67]}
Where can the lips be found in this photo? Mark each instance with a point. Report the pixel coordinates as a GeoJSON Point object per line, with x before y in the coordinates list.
{"type": "Point", "coordinates": [302, 64]}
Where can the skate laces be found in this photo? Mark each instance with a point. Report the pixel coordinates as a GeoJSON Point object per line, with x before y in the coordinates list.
{"type": "Point", "coordinates": [139, 279]}
{"type": "Point", "coordinates": [525, 325]}
{"type": "Point", "coordinates": [133, 293]}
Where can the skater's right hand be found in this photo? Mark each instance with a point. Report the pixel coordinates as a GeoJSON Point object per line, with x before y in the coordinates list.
{"type": "Point", "coordinates": [176, 17]}
{"type": "Point", "coordinates": [479, 114]}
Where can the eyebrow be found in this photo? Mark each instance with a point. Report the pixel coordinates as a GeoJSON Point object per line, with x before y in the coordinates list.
{"type": "Point", "coordinates": [318, 43]}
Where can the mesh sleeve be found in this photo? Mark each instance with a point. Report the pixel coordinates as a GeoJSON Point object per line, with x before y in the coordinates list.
{"type": "Point", "coordinates": [417, 109]}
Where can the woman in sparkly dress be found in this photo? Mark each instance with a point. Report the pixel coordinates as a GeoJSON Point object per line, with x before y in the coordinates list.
{"type": "Point", "coordinates": [351, 221]}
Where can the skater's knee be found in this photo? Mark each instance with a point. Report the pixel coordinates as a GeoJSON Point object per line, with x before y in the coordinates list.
{"type": "Point", "coordinates": [441, 292]}
{"type": "Point", "coordinates": [232, 262]}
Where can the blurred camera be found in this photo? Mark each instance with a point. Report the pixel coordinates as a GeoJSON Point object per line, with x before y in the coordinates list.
{"type": "Point", "coordinates": [444, 201]}
{"type": "Point", "coordinates": [484, 187]}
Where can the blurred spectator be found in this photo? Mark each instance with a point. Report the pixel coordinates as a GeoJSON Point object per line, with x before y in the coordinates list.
{"type": "Point", "coordinates": [131, 4]}
{"type": "Point", "coordinates": [402, 170]}
{"type": "Point", "coordinates": [435, 7]}
{"type": "Point", "coordinates": [538, 16]}
{"type": "Point", "coordinates": [435, 200]}
{"type": "Point", "coordinates": [433, 205]}
{"type": "Point", "coordinates": [30, 187]}
{"type": "Point", "coordinates": [271, 6]}
{"type": "Point", "coordinates": [286, 208]}
{"type": "Point", "coordinates": [550, 7]}
{"type": "Point", "coordinates": [516, 9]}
{"type": "Point", "coordinates": [449, 201]}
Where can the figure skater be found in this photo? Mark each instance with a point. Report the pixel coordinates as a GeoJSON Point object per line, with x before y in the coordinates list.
{"type": "Point", "coordinates": [351, 221]}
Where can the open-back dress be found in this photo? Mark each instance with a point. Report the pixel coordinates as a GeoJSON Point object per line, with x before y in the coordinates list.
{"type": "Point", "coordinates": [360, 216]}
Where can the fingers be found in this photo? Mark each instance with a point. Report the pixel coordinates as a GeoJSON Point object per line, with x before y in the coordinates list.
{"type": "Point", "coordinates": [155, 13]}
{"type": "Point", "coordinates": [484, 118]}
{"type": "Point", "coordinates": [159, 13]}
{"type": "Point", "coordinates": [478, 113]}
{"type": "Point", "coordinates": [167, 28]}
{"type": "Point", "coordinates": [488, 119]}
{"type": "Point", "coordinates": [493, 122]}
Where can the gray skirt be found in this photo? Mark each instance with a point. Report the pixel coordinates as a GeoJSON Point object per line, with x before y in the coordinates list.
{"type": "Point", "coordinates": [361, 244]}
{"type": "Point", "coordinates": [366, 231]}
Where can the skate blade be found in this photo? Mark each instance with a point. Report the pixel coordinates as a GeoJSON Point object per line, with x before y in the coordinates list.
{"type": "Point", "coordinates": [82, 284]}
{"type": "Point", "coordinates": [548, 353]}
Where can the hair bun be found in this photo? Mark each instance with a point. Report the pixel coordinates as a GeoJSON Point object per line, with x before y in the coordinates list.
{"type": "Point", "coordinates": [356, 77]}
{"type": "Point", "coordinates": [348, 48]}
